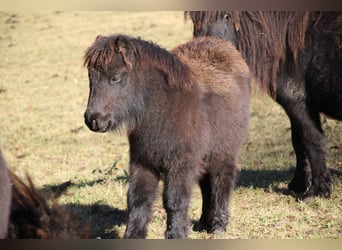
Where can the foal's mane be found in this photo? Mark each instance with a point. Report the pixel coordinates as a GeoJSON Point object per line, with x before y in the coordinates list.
{"type": "Point", "coordinates": [263, 37]}
{"type": "Point", "coordinates": [139, 54]}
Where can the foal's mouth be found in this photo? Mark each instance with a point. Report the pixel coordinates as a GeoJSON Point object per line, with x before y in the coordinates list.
{"type": "Point", "coordinates": [95, 126]}
{"type": "Point", "coordinates": [110, 126]}
{"type": "Point", "coordinates": [106, 128]}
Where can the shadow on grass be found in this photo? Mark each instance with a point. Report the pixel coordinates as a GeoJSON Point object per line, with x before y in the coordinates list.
{"type": "Point", "coordinates": [263, 178]}
{"type": "Point", "coordinates": [59, 189]}
{"type": "Point", "coordinates": [267, 179]}
{"type": "Point", "coordinates": [100, 218]}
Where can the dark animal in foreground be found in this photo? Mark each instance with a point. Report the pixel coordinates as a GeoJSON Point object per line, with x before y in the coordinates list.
{"type": "Point", "coordinates": [297, 58]}
{"type": "Point", "coordinates": [5, 197]}
{"type": "Point", "coordinates": [34, 217]}
{"type": "Point", "coordinates": [186, 114]}
{"type": "Point", "coordinates": [26, 214]}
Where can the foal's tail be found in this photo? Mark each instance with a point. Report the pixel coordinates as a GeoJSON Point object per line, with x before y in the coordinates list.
{"type": "Point", "coordinates": [33, 216]}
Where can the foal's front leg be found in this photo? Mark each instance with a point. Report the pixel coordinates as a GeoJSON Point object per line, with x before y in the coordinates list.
{"type": "Point", "coordinates": [176, 198]}
{"type": "Point", "coordinates": [141, 195]}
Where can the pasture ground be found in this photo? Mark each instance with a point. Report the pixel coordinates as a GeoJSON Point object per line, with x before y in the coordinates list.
{"type": "Point", "coordinates": [43, 94]}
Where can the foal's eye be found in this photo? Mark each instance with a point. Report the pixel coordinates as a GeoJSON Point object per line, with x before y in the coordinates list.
{"type": "Point", "coordinates": [115, 79]}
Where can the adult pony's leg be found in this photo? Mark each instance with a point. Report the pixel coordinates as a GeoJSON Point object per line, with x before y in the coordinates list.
{"type": "Point", "coordinates": [312, 177]}
{"type": "Point", "coordinates": [216, 188]}
{"type": "Point", "coordinates": [142, 191]}
{"type": "Point", "coordinates": [176, 198]}
{"type": "Point", "coordinates": [301, 181]}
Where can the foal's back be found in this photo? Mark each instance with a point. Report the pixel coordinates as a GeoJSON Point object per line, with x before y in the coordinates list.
{"type": "Point", "coordinates": [218, 65]}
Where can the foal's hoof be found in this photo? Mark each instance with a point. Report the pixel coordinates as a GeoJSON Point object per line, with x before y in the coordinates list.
{"type": "Point", "coordinates": [218, 231]}
{"type": "Point", "coordinates": [215, 230]}
{"type": "Point", "coordinates": [199, 227]}
{"type": "Point", "coordinates": [175, 235]}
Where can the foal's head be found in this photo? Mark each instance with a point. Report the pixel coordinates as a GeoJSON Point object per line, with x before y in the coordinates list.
{"type": "Point", "coordinates": [112, 98]}
{"type": "Point", "coordinates": [121, 71]}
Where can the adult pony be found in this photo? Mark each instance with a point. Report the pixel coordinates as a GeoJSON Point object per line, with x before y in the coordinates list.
{"type": "Point", "coordinates": [186, 114]}
{"type": "Point", "coordinates": [297, 58]}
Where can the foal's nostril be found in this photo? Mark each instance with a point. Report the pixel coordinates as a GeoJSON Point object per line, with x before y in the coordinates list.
{"type": "Point", "coordinates": [94, 124]}
{"type": "Point", "coordinates": [90, 121]}
{"type": "Point", "coordinates": [97, 122]}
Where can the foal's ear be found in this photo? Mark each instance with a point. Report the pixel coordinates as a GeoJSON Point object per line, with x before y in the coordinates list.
{"type": "Point", "coordinates": [98, 37]}
{"type": "Point", "coordinates": [125, 48]}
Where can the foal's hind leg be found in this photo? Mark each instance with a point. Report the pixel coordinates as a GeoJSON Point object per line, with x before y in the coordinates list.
{"type": "Point", "coordinates": [141, 195]}
{"type": "Point", "coordinates": [216, 188]}
{"type": "Point", "coordinates": [206, 189]}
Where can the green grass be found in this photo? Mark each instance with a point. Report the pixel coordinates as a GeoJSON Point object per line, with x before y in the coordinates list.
{"type": "Point", "coordinates": [43, 94]}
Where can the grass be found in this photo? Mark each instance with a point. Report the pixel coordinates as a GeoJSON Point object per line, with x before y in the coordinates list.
{"type": "Point", "coordinates": [43, 94]}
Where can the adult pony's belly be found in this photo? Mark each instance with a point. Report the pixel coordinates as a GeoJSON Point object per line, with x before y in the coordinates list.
{"type": "Point", "coordinates": [324, 75]}
{"type": "Point", "coordinates": [324, 90]}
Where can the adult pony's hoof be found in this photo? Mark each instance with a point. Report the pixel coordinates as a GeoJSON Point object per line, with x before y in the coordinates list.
{"type": "Point", "coordinates": [322, 190]}
{"type": "Point", "coordinates": [301, 181]}
{"type": "Point", "coordinates": [298, 186]}
{"type": "Point", "coordinates": [174, 234]}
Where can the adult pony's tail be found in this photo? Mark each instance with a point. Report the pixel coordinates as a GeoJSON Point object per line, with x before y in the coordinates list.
{"type": "Point", "coordinates": [33, 216]}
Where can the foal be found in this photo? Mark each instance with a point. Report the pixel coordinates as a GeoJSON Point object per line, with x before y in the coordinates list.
{"type": "Point", "coordinates": [186, 114]}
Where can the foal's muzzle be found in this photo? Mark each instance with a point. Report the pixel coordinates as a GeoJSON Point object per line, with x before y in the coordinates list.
{"type": "Point", "coordinates": [97, 122]}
